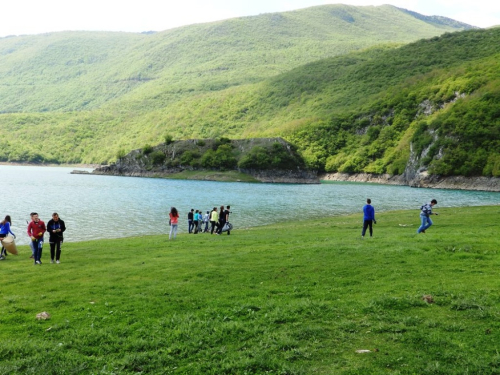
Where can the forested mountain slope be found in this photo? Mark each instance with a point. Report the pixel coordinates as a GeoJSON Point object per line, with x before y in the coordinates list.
{"type": "Point", "coordinates": [433, 105]}
{"type": "Point", "coordinates": [84, 97]}
{"type": "Point", "coordinates": [83, 70]}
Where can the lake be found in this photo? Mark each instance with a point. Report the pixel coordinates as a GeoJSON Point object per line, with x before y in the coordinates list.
{"type": "Point", "coordinates": [96, 207]}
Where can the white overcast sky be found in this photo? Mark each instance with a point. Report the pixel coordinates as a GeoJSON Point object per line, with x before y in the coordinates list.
{"type": "Point", "coordinates": [19, 17]}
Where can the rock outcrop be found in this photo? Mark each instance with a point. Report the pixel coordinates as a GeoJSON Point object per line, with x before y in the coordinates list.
{"type": "Point", "coordinates": [165, 161]}
{"type": "Point", "coordinates": [421, 179]}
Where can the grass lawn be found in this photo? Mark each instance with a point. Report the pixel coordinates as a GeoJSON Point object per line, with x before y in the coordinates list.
{"type": "Point", "coordinates": [293, 298]}
{"type": "Point", "coordinates": [228, 176]}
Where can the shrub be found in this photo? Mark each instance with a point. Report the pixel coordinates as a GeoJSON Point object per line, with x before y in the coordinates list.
{"type": "Point", "coordinates": [168, 139]}
{"type": "Point", "coordinates": [257, 158]}
{"type": "Point", "coordinates": [147, 149]}
{"type": "Point", "coordinates": [120, 154]}
{"type": "Point", "coordinates": [492, 167]}
{"type": "Point", "coordinates": [222, 159]}
{"type": "Point", "coordinates": [157, 157]}
{"type": "Point", "coordinates": [188, 157]}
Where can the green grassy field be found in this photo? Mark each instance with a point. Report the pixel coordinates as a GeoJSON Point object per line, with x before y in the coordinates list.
{"type": "Point", "coordinates": [293, 298]}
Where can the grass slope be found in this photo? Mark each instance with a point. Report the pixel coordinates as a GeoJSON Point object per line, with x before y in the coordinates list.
{"type": "Point", "coordinates": [292, 298]}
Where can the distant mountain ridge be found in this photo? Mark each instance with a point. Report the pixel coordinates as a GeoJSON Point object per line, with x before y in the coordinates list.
{"type": "Point", "coordinates": [440, 20]}
{"type": "Point", "coordinates": [74, 71]}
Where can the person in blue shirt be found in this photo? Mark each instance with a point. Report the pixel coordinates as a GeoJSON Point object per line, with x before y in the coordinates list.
{"type": "Point", "coordinates": [4, 231]}
{"type": "Point", "coordinates": [368, 218]}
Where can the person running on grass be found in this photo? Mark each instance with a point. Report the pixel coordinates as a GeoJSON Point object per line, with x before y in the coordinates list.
{"type": "Point", "coordinates": [425, 213]}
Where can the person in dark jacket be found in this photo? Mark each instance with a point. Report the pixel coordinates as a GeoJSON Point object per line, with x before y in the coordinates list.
{"type": "Point", "coordinates": [368, 218]}
{"type": "Point", "coordinates": [56, 228]}
{"type": "Point", "coordinates": [190, 220]}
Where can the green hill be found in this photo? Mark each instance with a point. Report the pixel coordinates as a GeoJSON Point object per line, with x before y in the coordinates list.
{"type": "Point", "coordinates": [82, 97]}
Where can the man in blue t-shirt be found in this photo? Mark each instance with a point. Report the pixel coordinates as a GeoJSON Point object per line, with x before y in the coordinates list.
{"type": "Point", "coordinates": [368, 218]}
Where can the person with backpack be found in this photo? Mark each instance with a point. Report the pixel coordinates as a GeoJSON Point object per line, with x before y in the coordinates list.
{"type": "Point", "coordinates": [425, 213]}
{"type": "Point", "coordinates": [368, 218]}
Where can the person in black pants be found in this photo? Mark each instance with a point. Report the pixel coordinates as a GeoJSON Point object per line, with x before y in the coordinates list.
{"type": "Point", "coordinates": [226, 213]}
{"type": "Point", "coordinates": [368, 218]}
{"type": "Point", "coordinates": [222, 220]}
{"type": "Point", "coordinates": [191, 220]}
{"type": "Point", "coordinates": [56, 228]}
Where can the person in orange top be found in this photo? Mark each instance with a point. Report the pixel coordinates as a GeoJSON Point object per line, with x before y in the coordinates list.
{"type": "Point", "coordinates": [36, 230]}
{"type": "Point", "coordinates": [174, 221]}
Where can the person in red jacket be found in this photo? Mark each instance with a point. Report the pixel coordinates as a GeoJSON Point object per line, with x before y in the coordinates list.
{"type": "Point", "coordinates": [36, 230]}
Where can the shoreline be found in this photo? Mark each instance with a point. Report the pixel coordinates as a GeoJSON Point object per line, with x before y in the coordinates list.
{"type": "Point", "coordinates": [489, 184]}
{"type": "Point", "coordinates": [420, 180]}
{"type": "Point", "coordinates": [65, 165]}
{"type": "Point", "coordinates": [258, 226]}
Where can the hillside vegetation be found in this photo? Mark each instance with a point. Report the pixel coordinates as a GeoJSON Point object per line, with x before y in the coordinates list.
{"type": "Point", "coordinates": [82, 97]}
{"type": "Point", "coordinates": [295, 298]}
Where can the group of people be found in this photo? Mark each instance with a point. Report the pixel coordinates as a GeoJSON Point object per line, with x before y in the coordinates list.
{"type": "Point", "coordinates": [36, 231]}
{"type": "Point", "coordinates": [199, 222]}
{"type": "Point", "coordinates": [369, 217]}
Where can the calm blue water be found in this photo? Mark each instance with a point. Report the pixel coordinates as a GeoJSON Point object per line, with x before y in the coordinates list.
{"type": "Point", "coordinates": [95, 207]}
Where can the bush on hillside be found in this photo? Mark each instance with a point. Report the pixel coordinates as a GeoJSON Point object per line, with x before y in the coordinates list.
{"type": "Point", "coordinates": [157, 157]}
{"type": "Point", "coordinates": [222, 159]}
{"type": "Point", "coordinates": [147, 149]}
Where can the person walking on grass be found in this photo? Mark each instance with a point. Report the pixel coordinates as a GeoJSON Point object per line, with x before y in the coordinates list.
{"type": "Point", "coordinates": [36, 230]}
{"type": "Point", "coordinates": [4, 231]}
{"type": "Point", "coordinates": [31, 242]}
{"type": "Point", "coordinates": [196, 221]}
{"type": "Point", "coordinates": [222, 220]}
{"type": "Point", "coordinates": [190, 220]}
{"type": "Point", "coordinates": [174, 221]}
{"type": "Point", "coordinates": [226, 220]}
{"type": "Point", "coordinates": [56, 228]}
{"type": "Point", "coordinates": [368, 218]}
{"type": "Point", "coordinates": [214, 218]}
{"type": "Point", "coordinates": [425, 213]}
{"type": "Point", "coordinates": [206, 220]}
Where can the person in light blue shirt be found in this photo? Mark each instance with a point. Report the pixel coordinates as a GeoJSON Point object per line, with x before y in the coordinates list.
{"type": "Point", "coordinates": [368, 218]}
{"type": "Point", "coordinates": [4, 231]}
{"type": "Point", "coordinates": [195, 221]}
